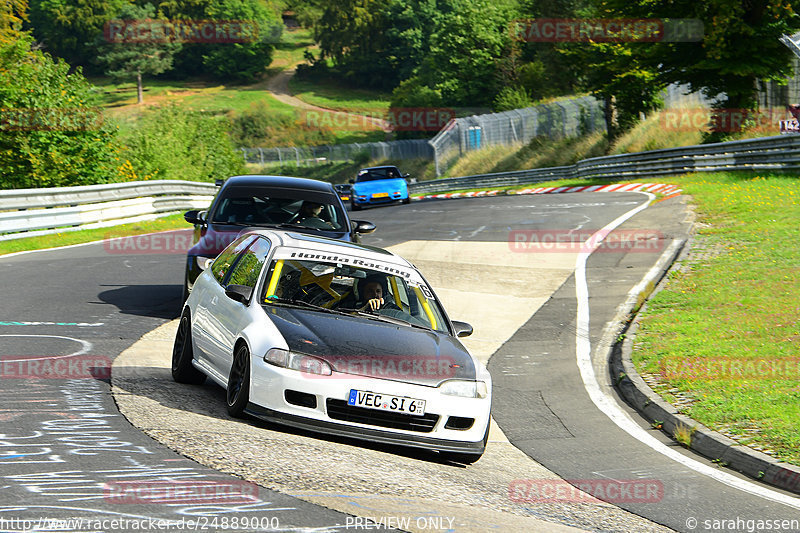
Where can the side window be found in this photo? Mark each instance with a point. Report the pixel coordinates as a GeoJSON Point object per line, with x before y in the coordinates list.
{"type": "Point", "coordinates": [247, 269]}
{"type": "Point", "coordinates": [227, 257]}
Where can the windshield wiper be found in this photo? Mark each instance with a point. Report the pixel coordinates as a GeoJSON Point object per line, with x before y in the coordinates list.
{"type": "Point", "coordinates": [301, 303]}
{"type": "Point", "coordinates": [382, 318]}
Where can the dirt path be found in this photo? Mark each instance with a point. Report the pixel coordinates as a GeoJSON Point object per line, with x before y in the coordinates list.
{"type": "Point", "coordinates": [278, 87]}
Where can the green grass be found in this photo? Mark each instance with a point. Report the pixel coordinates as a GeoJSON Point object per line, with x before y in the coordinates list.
{"type": "Point", "coordinates": [540, 152]}
{"type": "Point", "coordinates": [738, 305]}
{"type": "Point", "coordinates": [289, 51]}
{"type": "Point", "coordinates": [66, 238]}
{"type": "Point", "coordinates": [331, 95]}
{"type": "Point", "coordinates": [120, 98]}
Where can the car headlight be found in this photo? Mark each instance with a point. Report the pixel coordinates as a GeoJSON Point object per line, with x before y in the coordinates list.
{"type": "Point", "coordinates": [203, 262]}
{"type": "Point", "coordinates": [298, 361]}
{"type": "Point", "coordinates": [465, 389]}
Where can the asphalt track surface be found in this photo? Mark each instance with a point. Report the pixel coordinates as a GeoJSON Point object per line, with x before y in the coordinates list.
{"type": "Point", "coordinates": [67, 450]}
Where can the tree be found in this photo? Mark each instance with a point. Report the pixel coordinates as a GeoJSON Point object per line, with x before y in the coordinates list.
{"type": "Point", "coordinates": [12, 15]}
{"type": "Point", "coordinates": [469, 38]}
{"type": "Point", "coordinates": [244, 60]}
{"type": "Point", "coordinates": [68, 29]}
{"type": "Point", "coordinates": [52, 133]}
{"type": "Point", "coordinates": [127, 56]}
{"type": "Point", "coordinates": [627, 86]}
{"type": "Point", "coordinates": [740, 44]}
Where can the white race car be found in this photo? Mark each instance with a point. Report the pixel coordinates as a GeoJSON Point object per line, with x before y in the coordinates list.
{"type": "Point", "coordinates": [334, 337]}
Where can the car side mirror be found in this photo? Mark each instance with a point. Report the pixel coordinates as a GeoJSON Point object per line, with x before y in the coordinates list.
{"type": "Point", "coordinates": [239, 293]}
{"type": "Point", "coordinates": [194, 217]}
{"type": "Point", "coordinates": [351, 180]}
{"type": "Point", "coordinates": [362, 226]}
{"type": "Point", "coordinates": [462, 329]}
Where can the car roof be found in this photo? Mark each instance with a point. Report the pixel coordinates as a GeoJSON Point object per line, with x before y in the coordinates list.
{"type": "Point", "coordinates": [254, 180]}
{"type": "Point", "coordinates": [378, 168]}
{"type": "Point", "coordinates": [323, 244]}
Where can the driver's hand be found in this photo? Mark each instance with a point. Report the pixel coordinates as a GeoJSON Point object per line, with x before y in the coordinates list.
{"type": "Point", "coordinates": [373, 305]}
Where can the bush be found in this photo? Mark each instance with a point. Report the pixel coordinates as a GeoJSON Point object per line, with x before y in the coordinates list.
{"type": "Point", "coordinates": [512, 98]}
{"type": "Point", "coordinates": [51, 132]}
{"type": "Point", "coordinates": [173, 143]}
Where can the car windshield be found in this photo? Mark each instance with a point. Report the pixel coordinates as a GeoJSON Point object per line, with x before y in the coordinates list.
{"type": "Point", "coordinates": [373, 174]}
{"type": "Point", "coordinates": [338, 283]}
{"type": "Point", "coordinates": [253, 207]}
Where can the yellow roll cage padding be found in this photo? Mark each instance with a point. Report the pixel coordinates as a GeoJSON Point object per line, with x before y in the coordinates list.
{"type": "Point", "coordinates": [425, 306]}
{"type": "Point", "coordinates": [273, 281]}
{"type": "Point", "coordinates": [395, 292]}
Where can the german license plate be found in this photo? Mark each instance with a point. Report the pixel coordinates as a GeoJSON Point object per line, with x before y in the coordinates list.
{"type": "Point", "coordinates": [381, 195]}
{"type": "Point", "coordinates": [386, 402]}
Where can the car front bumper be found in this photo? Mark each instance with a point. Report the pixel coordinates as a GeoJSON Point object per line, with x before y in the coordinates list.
{"type": "Point", "coordinates": [434, 431]}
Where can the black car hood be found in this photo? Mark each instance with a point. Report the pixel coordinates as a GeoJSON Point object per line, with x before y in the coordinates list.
{"type": "Point", "coordinates": [368, 347]}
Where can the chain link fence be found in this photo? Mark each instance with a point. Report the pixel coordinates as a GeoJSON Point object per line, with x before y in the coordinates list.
{"type": "Point", "coordinates": [408, 149]}
{"type": "Point", "coordinates": [566, 118]}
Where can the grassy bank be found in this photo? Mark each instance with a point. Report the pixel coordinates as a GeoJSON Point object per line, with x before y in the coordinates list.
{"type": "Point", "coordinates": [342, 171]}
{"type": "Point", "coordinates": [722, 340]}
{"type": "Point", "coordinates": [67, 238]}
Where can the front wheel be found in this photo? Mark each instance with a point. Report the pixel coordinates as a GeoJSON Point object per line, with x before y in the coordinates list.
{"type": "Point", "coordinates": [239, 382]}
{"type": "Point", "coordinates": [354, 206]}
{"type": "Point", "coordinates": [182, 369]}
{"type": "Point", "coordinates": [407, 200]}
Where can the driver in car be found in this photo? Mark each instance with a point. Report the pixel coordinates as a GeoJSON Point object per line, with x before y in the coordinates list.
{"type": "Point", "coordinates": [310, 211]}
{"type": "Point", "coordinates": [371, 291]}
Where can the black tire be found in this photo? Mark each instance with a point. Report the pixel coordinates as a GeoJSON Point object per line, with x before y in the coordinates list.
{"type": "Point", "coordinates": [354, 206]}
{"type": "Point", "coordinates": [182, 369]}
{"type": "Point", "coordinates": [407, 200]}
{"type": "Point", "coordinates": [238, 394]}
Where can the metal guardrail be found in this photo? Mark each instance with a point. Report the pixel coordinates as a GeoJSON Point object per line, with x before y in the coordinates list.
{"type": "Point", "coordinates": [779, 153]}
{"type": "Point", "coordinates": [31, 212]}
{"type": "Point", "coordinates": [28, 212]}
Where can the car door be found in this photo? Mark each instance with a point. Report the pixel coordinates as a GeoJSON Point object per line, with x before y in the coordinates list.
{"type": "Point", "coordinates": [228, 316]}
{"type": "Point", "coordinates": [204, 325]}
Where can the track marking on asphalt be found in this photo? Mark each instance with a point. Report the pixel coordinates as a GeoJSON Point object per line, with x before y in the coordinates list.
{"type": "Point", "coordinates": [608, 405]}
{"type": "Point", "coordinates": [488, 285]}
{"type": "Point", "coordinates": [86, 347]}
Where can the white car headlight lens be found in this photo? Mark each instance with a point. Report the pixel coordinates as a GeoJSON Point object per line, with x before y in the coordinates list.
{"type": "Point", "coordinates": [204, 262]}
{"type": "Point", "coordinates": [465, 389]}
{"type": "Point", "coordinates": [298, 361]}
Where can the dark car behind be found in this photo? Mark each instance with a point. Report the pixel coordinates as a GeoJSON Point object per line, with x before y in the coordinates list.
{"type": "Point", "coordinates": [265, 202]}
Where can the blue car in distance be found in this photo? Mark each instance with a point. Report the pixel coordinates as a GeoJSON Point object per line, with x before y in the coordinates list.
{"type": "Point", "coordinates": [378, 185]}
